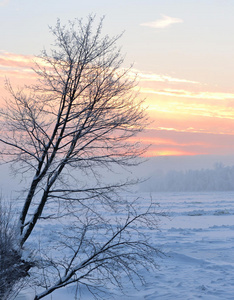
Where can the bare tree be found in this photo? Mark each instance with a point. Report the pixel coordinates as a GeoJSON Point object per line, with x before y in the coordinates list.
{"type": "Point", "coordinates": [62, 133]}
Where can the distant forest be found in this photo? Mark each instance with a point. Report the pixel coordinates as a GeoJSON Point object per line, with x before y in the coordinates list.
{"type": "Point", "coordinates": [220, 178]}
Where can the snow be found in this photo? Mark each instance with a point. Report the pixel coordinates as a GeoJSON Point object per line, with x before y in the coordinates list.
{"type": "Point", "coordinates": [197, 238]}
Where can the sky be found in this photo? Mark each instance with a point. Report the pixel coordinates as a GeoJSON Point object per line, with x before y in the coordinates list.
{"type": "Point", "coordinates": [182, 51]}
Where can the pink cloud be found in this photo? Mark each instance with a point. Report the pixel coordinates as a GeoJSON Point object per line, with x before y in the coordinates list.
{"type": "Point", "coordinates": [171, 142]}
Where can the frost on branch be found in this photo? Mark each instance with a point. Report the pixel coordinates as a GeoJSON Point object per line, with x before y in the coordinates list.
{"type": "Point", "coordinates": [13, 268]}
{"type": "Point", "coordinates": [63, 133]}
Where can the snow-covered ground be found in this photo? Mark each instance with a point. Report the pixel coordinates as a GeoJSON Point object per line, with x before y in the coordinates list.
{"type": "Point", "coordinates": [198, 241]}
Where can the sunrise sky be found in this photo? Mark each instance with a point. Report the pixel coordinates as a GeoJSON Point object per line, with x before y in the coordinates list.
{"type": "Point", "coordinates": [182, 51]}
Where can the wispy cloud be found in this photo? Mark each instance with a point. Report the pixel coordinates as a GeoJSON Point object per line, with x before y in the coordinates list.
{"type": "Point", "coordinates": [189, 94]}
{"type": "Point", "coordinates": [17, 65]}
{"type": "Point", "coordinates": [160, 78]}
{"type": "Point", "coordinates": [15, 60]}
{"type": "Point", "coordinates": [164, 22]}
{"type": "Point", "coordinates": [4, 2]}
{"type": "Point", "coordinates": [14, 65]}
{"type": "Point", "coordinates": [154, 77]}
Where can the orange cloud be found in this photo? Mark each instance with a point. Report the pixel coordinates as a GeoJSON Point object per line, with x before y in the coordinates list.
{"type": "Point", "coordinates": [18, 65]}
{"type": "Point", "coordinates": [212, 105]}
{"type": "Point", "coordinates": [189, 94]}
{"type": "Point", "coordinates": [18, 68]}
{"type": "Point", "coordinates": [172, 142]}
{"type": "Point", "coordinates": [167, 152]}
{"type": "Point", "coordinates": [183, 122]}
{"type": "Point", "coordinates": [188, 117]}
{"type": "Point", "coordinates": [15, 60]}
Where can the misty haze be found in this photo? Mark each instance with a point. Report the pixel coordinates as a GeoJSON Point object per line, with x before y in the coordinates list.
{"type": "Point", "coordinates": [116, 150]}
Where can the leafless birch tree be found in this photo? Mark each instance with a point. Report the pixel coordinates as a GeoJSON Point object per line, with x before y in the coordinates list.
{"type": "Point", "coordinates": [62, 133]}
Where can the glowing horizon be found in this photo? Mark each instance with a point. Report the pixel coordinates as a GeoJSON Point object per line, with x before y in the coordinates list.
{"type": "Point", "coordinates": [184, 120]}
{"type": "Point", "coordinates": [183, 62]}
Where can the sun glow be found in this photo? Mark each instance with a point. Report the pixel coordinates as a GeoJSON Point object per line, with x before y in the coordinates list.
{"type": "Point", "coordinates": [187, 117]}
{"type": "Point", "coordinates": [166, 152]}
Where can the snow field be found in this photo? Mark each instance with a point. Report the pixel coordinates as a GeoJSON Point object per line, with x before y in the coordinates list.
{"type": "Point", "coordinates": [197, 238]}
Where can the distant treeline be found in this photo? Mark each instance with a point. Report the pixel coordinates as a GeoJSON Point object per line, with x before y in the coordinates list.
{"type": "Point", "coordinates": [220, 178]}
